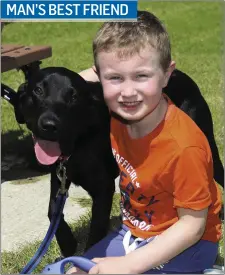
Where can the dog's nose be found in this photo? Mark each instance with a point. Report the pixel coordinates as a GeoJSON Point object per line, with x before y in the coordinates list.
{"type": "Point", "coordinates": [49, 125]}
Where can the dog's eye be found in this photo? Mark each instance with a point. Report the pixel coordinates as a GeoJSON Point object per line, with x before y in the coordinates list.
{"type": "Point", "coordinates": [38, 91]}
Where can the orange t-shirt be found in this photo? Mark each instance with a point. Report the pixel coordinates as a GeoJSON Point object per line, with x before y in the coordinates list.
{"type": "Point", "coordinates": [168, 168]}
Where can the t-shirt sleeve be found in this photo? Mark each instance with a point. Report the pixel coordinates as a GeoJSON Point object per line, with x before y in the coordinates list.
{"type": "Point", "coordinates": [191, 174]}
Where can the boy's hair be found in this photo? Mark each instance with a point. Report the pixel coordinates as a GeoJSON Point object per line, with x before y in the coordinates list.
{"type": "Point", "coordinates": [128, 38]}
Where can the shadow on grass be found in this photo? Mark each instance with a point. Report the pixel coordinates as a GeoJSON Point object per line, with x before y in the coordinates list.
{"type": "Point", "coordinates": [18, 157]}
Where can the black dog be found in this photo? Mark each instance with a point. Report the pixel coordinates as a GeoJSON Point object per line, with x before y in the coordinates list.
{"type": "Point", "coordinates": [68, 117]}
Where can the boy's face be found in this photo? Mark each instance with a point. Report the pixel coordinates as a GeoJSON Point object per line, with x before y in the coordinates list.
{"type": "Point", "coordinates": [133, 85]}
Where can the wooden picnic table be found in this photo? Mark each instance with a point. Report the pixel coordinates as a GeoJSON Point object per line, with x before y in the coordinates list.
{"type": "Point", "coordinates": [21, 57]}
{"type": "Point", "coordinates": [17, 56]}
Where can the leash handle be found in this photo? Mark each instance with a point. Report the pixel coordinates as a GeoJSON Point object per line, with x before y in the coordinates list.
{"type": "Point", "coordinates": [59, 267]}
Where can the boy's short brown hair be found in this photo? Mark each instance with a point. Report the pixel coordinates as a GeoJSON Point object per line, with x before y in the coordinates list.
{"type": "Point", "coordinates": [129, 38]}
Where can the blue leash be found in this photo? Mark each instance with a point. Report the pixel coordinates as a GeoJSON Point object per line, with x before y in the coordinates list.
{"type": "Point", "coordinates": [60, 202]}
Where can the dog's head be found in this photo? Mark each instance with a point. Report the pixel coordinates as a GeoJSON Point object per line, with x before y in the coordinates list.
{"type": "Point", "coordinates": [55, 104]}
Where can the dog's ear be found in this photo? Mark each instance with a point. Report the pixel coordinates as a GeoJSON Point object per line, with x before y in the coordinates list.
{"type": "Point", "coordinates": [17, 106]}
{"type": "Point", "coordinates": [93, 89]}
{"type": "Point", "coordinates": [29, 71]}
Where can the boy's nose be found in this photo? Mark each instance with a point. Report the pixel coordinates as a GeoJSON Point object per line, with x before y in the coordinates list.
{"type": "Point", "coordinates": [128, 91]}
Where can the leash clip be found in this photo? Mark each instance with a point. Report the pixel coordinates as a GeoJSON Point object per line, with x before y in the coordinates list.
{"type": "Point", "coordinates": [61, 174]}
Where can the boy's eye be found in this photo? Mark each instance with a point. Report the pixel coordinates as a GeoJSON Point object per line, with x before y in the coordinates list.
{"type": "Point", "coordinates": [142, 76]}
{"type": "Point", "coordinates": [115, 78]}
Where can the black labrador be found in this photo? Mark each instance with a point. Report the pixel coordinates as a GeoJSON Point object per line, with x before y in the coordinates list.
{"type": "Point", "coordinates": [68, 117]}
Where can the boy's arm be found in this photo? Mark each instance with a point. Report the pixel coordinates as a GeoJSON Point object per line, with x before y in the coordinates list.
{"type": "Point", "coordinates": [180, 236]}
{"type": "Point", "coordinates": [90, 74]}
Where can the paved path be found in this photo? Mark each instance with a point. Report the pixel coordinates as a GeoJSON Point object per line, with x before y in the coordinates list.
{"type": "Point", "coordinates": [24, 211]}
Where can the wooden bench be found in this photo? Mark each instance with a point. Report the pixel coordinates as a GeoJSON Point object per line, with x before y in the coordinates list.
{"type": "Point", "coordinates": [20, 57]}
{"type": "Point", "coordinates": [17, 56]}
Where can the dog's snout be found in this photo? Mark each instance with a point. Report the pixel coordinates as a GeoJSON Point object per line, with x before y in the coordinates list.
{"type": "Point", "coordinates": [49, 125]}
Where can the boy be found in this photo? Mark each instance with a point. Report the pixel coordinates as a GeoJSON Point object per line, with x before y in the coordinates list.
{"type": "Point", "coordinates": [169, 200]}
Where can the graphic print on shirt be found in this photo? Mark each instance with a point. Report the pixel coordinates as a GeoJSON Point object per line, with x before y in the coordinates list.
{"type": "Point", "coordinates": [131, 196]}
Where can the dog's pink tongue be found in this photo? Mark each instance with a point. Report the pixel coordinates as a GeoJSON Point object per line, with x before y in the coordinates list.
{"type": "Point", "coordinates": [47, 152]}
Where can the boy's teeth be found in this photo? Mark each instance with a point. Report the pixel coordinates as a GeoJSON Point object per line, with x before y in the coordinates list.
{"type": "Point", "coordinates": [130, 103]}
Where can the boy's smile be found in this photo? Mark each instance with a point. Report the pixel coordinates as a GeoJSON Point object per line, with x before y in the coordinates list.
{"type": "Point", "coordinates": [130, 105]}
{"type": "Point", "coordinates": [133, 84]}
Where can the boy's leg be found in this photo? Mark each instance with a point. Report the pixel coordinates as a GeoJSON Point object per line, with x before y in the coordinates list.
{"type": "Point", "coordinates": [193, 260]}
{"type": "Point", "coordinates": [111, 245]}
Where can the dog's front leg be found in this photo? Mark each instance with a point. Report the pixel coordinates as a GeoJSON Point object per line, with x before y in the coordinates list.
{"type": "Point", "coordinates": [101, 208]}
{"type": "Point", "coordinates": [64, 235]}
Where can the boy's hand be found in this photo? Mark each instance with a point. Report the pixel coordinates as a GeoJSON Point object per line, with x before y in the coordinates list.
{"type": "Point", "coordinates": [110, 265]}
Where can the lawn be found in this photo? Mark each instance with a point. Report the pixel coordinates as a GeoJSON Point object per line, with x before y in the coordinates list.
{"type": "Point", "coordinates": [196, 31]}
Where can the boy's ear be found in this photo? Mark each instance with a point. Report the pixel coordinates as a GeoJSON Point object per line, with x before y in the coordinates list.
{"type": "Point", "coordinates": [168, 73]}
{"type": "Point", "coordinates": [95, 70]}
